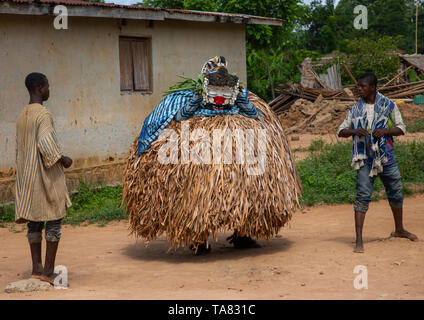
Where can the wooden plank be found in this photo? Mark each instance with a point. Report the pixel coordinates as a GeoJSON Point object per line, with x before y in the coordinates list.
{"type": "Point", "coordinates": [125, 63]}
{"type": "Point", "coordinates": [397, 76]}
{"type": "Point", "coordinates": [322, 84]}
{"type": "Point", "coordinates": [141, 62]}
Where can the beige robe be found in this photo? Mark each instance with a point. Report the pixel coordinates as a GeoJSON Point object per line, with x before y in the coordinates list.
{"type": "Point", "coordinates": [41, 193]}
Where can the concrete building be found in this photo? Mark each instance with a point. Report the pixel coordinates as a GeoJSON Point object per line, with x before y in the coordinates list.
{"type": "Point", "coordinates": [107, 71]}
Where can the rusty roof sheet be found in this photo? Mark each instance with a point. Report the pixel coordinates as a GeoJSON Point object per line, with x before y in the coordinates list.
{"type": "Point", "coordinates": [248, 19]}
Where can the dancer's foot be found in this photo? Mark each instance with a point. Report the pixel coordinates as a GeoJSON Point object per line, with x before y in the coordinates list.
{"type": "Point", "coordinates": [404, 234]}
{"type": "Point", "coordinates": [243, 242]}
{"type": "Point", "coordinates": [201, 249]}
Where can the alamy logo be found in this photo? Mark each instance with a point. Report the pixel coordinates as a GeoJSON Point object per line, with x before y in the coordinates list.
{"type": "Point", "coordinates": [361, 280]}
{"type": "Point", "coordinates": [61, 280]}
{"type": "Point", "coordinates": [61, 20]}
{"type": "Point", "coordinates": [208, 149]}
{"type": "Point", "coordinates": [361, 21]}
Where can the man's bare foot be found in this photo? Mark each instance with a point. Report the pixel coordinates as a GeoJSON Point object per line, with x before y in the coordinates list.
{"type": "Point", "coordinates": [404, 234]}
{"type": "Point", "coordinates": [48, 278]}
{"type": "Point", "coordinates": [359, 248]}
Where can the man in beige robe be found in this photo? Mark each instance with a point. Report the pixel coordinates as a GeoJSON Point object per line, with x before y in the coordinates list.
{"type": "Point", "coordinates": [41, 193]}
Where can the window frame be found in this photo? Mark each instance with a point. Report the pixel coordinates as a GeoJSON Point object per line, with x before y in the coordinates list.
{"type": "Point", "coordinates": [147, 40]}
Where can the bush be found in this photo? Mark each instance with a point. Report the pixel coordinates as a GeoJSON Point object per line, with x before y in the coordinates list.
{"type": "Point", "coordinates": [7, 213]}
{"type": "Point", "coordinates": [95, 204]}
{"type": "Point", "coordinates": [417, 126]}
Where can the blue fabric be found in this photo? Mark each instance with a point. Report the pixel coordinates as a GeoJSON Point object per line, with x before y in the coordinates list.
{"type": "Point", "coordinates": [160, 117]}
{"type": "Point", "coordinates": [167, 109]}
{"type": "Point", "coordinates": [365, 185]}
{"type": "Point", "coordinates": [366, 149]}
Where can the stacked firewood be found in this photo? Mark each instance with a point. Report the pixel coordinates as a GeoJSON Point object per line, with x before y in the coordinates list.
{"type": "Point", "coordinates": [289, 93]}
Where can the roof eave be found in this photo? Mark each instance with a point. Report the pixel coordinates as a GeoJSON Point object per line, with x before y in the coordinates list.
{"type": "Point", "coordinates": [43, 9]}
{"type": "Point", "coordinates": [131, 13]}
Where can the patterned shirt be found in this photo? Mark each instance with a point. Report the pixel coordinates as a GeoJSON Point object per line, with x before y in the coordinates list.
{"type": "Point", "coordinates": [395, 120]}
{"type": "Point", "coordinates": [41, 193]}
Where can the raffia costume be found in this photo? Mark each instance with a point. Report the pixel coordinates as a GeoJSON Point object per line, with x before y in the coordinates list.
{"type": "Point", "coordinates": [196, 193]}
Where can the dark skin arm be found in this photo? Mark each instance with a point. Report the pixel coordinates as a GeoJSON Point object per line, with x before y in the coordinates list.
{"type": "Point", "coordinates": [346, 133]}
{"type": "Point", "coordinates": [66, 161]}
{"type": "Point", "coordinates": [368, 93]}
{"type": "Point", "coordinates": [378, 133]}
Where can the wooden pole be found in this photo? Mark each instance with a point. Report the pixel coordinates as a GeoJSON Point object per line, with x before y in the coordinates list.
{"type": "Point", "coordinates": [397, 76]}
{"type": "Point", "coordinates": [416, 27]}
{"type": "Point", "coordinates": [350, 74]}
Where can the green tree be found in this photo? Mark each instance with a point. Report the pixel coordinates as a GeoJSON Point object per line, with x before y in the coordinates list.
{"type": "Point", "coordinates": [364, 54]}
{"type": "Point", "coordinates": [320, 32]}
{"type": "Point", "coordinates": [291, 11]}
{"type": "Point", "coordinates": [331, 28]}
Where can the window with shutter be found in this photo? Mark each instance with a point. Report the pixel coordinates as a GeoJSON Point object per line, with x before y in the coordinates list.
{"type": "Point", "coordinates": [135, 64]}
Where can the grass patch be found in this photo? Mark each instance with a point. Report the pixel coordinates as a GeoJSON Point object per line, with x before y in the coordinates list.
{"type": "Point", "coordinates": [327, 176]}
{"type": "Point", "coordinates": [416, 126]}
{"type": "Point", "coordinates": [90, 204]}
{"type": "Point", "coordinates": [7, 213]}
{"type": "Point", "coordinates": [95, 204]}
{"type": "Point", "coordinates": [317, 145]}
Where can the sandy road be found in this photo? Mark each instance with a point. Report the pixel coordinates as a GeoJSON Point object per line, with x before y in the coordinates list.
{"type": "Point", "coordinates": [311, 259]}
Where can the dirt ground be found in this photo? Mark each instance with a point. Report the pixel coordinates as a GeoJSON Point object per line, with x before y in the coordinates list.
{"type": "Point", "coordinates": [312, 258]}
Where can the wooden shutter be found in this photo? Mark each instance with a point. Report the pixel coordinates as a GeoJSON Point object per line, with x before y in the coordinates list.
{"type": "Point", "coordinates": [141, 63]}
{"type": "Point", "coordinates": [125, 62]}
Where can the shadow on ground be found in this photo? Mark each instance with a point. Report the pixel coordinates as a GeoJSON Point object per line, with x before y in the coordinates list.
{"type": "Point", "coordinates": [221, 250]}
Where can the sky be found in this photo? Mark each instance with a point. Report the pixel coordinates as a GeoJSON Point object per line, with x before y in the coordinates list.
{"type": "Point", "coordinates": [128, 2]}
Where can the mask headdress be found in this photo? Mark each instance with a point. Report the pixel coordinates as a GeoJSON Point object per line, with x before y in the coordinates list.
{"type": "Point", "coordinates": [213, 65]}
{"type": "Point", "coordinates": [220, 89]}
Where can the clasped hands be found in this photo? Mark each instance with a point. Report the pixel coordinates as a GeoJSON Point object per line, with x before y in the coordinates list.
{"type": "Point", "coordinates": [377, 133]}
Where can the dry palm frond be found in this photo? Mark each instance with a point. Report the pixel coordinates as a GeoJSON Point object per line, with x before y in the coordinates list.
{"type": "Point", "coordinates": [190, 202]}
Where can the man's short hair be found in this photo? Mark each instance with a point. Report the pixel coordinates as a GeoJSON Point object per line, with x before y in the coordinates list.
{"type": "Point", "coordinates": [369, 77]}
{"type": "Point", "coordinates": [34, 80]}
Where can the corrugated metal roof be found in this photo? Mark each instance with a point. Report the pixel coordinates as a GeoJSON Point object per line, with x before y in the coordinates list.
{"type": "Point", "coordinates": [81, 3]}
{"type": "Point", "coordinates": [416, 60]}
{"type": "Point", "coordinates": [170, 13]}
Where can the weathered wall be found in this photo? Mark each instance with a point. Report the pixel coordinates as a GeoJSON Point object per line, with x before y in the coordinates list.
{"type": "Point", "coordinates": [96, 123]}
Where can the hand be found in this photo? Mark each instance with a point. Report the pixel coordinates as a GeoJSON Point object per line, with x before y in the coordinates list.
{"type": "Point", "coordinates": [361, 132]}
{"type": "Point", "coordinates": [66, 161]}
{"type": "Point", "coordinates": [242, 98]}
{"type": "Point", "coordinates": [378, 133]}
{"type": "Point", "coordinates": [197, 98]}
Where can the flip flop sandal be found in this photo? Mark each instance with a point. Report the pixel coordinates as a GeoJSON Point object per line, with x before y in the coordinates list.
{"type": "Point", "coordinates": [406, 237]}
{"type": "Point", "coordinates": [42, 278]}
